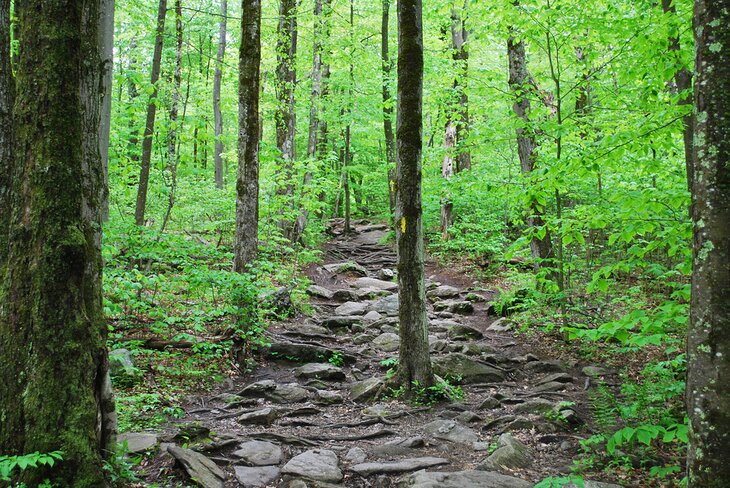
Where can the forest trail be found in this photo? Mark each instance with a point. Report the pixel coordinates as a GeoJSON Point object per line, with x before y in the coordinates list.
{"type": "Point", "coordinates": [307, 416]}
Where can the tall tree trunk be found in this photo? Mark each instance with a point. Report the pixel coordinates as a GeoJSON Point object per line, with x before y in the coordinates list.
{"type": "Point", "coordinates": [55, 392]}
{"type": "Point", "coordinates": [414, 367]}
{"type": "Point", "coordinates": [218, 116]}
{"type": "Point", "coordinates": [286, 77]}
{"type": "Point", "coordinates": [447, 172]}
{"type": "Point", "coordinates": [132, 93]}
{"type": "Point", "coordinates": [683, 84]}
{"type": "Point", "coordinates": [348, 129]}
{"type": "Point", "coordinates": [247, 184]}
{"type": "Point", "coordinates": [7, 99]}
{"type": "Point", "coordinates": [106, 47]}
{"type": "Point", "coordinates": [149, 128]}
{"type": "Point", "coordinates": [173, 156]}
{"type": "Point", "coordinates": [388, 104]}
{"type": "Point", "coordinates": [708, 342]}
{"type": "Point", "coordinates": [314, 110]}
{"type": "Point", "coordinates": [459, 38]}
{"type": "Point", "coordinates": [526, 145]}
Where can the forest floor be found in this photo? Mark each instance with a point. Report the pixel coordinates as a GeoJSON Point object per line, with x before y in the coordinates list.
{"type": "Point", "coordinates": [314, 413]}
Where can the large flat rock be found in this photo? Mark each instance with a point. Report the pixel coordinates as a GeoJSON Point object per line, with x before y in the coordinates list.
{"type": "Point", "coordinates": [257, 476]}
{"type": "Point", "coordinates": [462, 479]}
{"type": "Point", "coordinates": [316, 464]}
{"type": "Point", "coordinates": [400, 466]}
{"type": "Point", "coordinates": [259, 453]}
{"type": "Point", "coordinates": [204, 472]}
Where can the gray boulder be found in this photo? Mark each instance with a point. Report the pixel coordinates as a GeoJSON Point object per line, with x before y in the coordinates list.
{"type": "Point", "coordinates": [386, 305]}
{"type": "Point", "coordinates": [259, 453]}
{"type": "Point", "coordinates": [468, 369]}
{"type": "Point", "coordinates": [204, 472]}
{"type": "Point", "coordinates": [317, 464]}
{"type": "Point", "coordinates": [351, 308]}
{"type": "Point", "coordinates": [387, 342]}
{"type": "Point", "coordinates": [346, 267]}
{"type": "Point", "coordinates": [256, 477]}
{"type": "Point", "coordinates": [365, 390]}
{"type": "Point", "coordinates": [137, 442]}
{"type": "Point", "coordinates": [443, 291]}
{"type": "Point", "coordinates": [322, 371]}
{"type": "Point", "coordinates": [451, 431]}
{"type": "Point", "coordinates": [510, 454]}
{"type": "Point", "coordinates": [376, 283]}
{"type": "Point", "coordinates": [462, 479]}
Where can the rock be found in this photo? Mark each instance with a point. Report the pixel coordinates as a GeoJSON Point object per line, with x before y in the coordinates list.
{"type": "Point", "coordinates": [191, 431]}
{"type": "Point", "coordinates": [549, 387]}
{"type": "Point", "coordinates": [489, 403]}
{"type": "Point", "coordinates": [347, 267]}
{"type": "Point", "coordinates": [595, 371]}
{"type": "Point", "coordinates": [473, 297]}
{"type": "Point", "coordinates": [474, 349]}
{"type": "Point", "coordinates": [556, 377]}
{"type": "Point", "coordinates": [256, 477]}
{"type": "Point", "coordinates": [400, 466]}
{"type": "Point", "coordinates": [386, 274]}
{"type": "Point", "coordinates": [375, 283]}
{"type": "Point", "coordinates": [510, 454]}
{"type": "Point", "coordinates": [276, 392]}
{"type": "Point", "coordinates": [467, 417]}
{"type": "Point", "coordinates": [410, 442]}
{"type": "Point", "coordinates": [538, 406]}
{"type": "Point", "coordinates": [363, 339]}
{"type": "Point", "coordinates": [443, 291]}
{"type": "Point", "coordinates": [202, 471]}
{"type": "Point", "coordinates": [372, 316]}
{"type": "Point", "coordinates": [365, 390]}
{"type": "Point", "coordinates": [121, 364]}
{"type": "Point", "coordinates": [387, 342]}
{"type": "Point", "coordinates": [322, 371]}
{"type": "Point", "coordinates": [461, 332]}
{"type": "Point", "coordinates": [469, 370]}
{"type": "Point", "coordinates": [386, 305]}
{"type": "Point", "coordinates": [370, 293]}
{"type": "Point", "coordinates": [345, 296]}
{"type": "Point", "coordinates": [318, 464]}
{"type": "Point", "coordinates": [265, 416]}
{"type": "Point", "coordinates": [339, 322]}
{"type": "Point", "coordinates": [259, 453]}
{"type": "Point", "coordinates": [137, 442]}
{"type": "Point", "coordinates": [463, 479]}
{"type": "Point", "coordinates": [309, 330]}
{"type": "Point", "coordinates": [280, 302]}
{"type": "Point", "coordinates": [328, 397]}
{"type": "Point", "coordinates": [351, 308]}
{"type": "Point", "coordinates": [307, 353]}
{"type": "Point", "coordinates": [500, 325]}
{"type": "Point", "coordinates": [320, 292]}
{"type": "Point", "coordinates": [458, 307]}
{"type": "Point", "coordinates": [356, 455]}
{"type": "Point", "coordinates": [451, 431]}
{"type": "Point", "coordinates": [544, 367]}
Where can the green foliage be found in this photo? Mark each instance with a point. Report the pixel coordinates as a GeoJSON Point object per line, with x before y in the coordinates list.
{"type": "Point", "coordinates": [119, 466]}
{"type": "Point", "coordinates": [336, 358]}
{"type": "Point", "coordinates": [9, 464]}
{"type": "Point", "coordinates": [557, 482]}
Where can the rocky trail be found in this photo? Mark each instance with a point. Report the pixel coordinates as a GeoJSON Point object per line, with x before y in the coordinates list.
{"type": "Point", "coordinates": [308, 415]}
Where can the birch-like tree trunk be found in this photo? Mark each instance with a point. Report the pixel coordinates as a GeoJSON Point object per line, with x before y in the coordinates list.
{"type": "Point", "coordinates": [708, 341]}
{"type": "Point", "coordinates": [217, 114]}
{"type": "Point", "coordinates": [388, 104]}
{"type": "Point", "coordinates": [247, 182]}
{"type": "Point", "coordinates": [414, 367]}
{"type": "Point", "coordinates": [173, 156]}
{"type": "Point", "coordinates": [149, 128]}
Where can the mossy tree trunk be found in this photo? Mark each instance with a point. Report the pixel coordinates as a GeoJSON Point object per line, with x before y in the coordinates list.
{"type": "Point", "coordinates": [7, 98]}
{"type": "Point", "coordinates": [708, 343]}
{"type": "Point", "coordinates": [56, 392]}
{"type": "Point", "coordinates": [247, 183]}
{"type": "Point", "coordinates": [388, 104]}
{"type": "Point", "coordinates": [414, 362]}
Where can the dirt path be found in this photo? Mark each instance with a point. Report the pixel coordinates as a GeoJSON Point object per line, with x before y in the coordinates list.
{"type": "Point", "coordinates": [307, 416]}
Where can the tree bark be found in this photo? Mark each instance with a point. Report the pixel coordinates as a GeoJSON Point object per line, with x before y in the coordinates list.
{"type": "Point", "coordinates": [526, 144]}
{"type": "Point", "coordinates": [7, 99]}
{"type": "Point", "coordinates": [149, 129]}
{"type": "Point", "coordinates": [247, 183]}
{"type": "Point", "coordinates": [708, 342]}
{"type": "Point", "coordinates": [447, 172]}
{"type": "Point", "coordinates": [414, 366]}
{"type": "Point", "coordinates": [683, 84]}
{"type": "Point", "coordinates": [106, 47]}
{"type": "Point", "coordinates": [388, 105]}
{"type": "Point", "coordinates": [286, 77]}
{"type": "Point", "coordinates": [217, 115]}
{"type": "Point", "coordinates": [173, 156]}
{"type": "Point", "coordinates": [56, 392]}
{"type": "Point", "coordinates": [459, 38]}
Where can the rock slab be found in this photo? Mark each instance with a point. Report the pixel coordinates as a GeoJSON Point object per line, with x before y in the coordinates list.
{"type": "Point", "coordinates": [256, 477]}
{"type": "Point", "coordinates": [463, 479]}
{"type": "Point", "coordinates": [316, 464]}
{"type": "Point", "coordinates": [204, 472]}
{"type": "Point", "coordinates": [400, 466]}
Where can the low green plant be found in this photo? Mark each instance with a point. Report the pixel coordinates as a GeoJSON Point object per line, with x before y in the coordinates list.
{"type": "Point", "coordinates": [9, 464]}
{"type": "Point", "coordinates": [559, 481]}
{"type": "Point", "coordinates": [119, 466]}
{"type": "Point", "coordinates": [336, 358]}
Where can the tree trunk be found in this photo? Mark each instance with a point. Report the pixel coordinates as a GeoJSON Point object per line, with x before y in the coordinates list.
{"type": "Point", "coordinates": [149, 129]}
{"type": "Point", "coordinates": [286, 77]}
{"type": "Point", "coordinates": [247, 184]}
{"type": "Point", "coordinates": [526, 145]}
{"type": "Point", "coordinates": [388, 105]}
{"type": "Point", "coordinates": [683, 84]}
{"type": "Point", "coordinates": [218, 116]}
{"type": "Point", "coordinates": [132, 92]}
{"type": "Point", "coordinates": [708, 343]}
{"type": "Point", "coordinates": [106, 47]}
{"type": "Point", "coordinates": [7, 98]}
{"type": "Point", "coordinates": [56, 392]}
{"type": "Point", "coordinates": [173, 156]}
{"type": "Point", "coordinates": [459, 37]}
{"type": "Point", "coordinates": [447, 171]}
{"type": "Point", "coordinates": [414, 366]}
